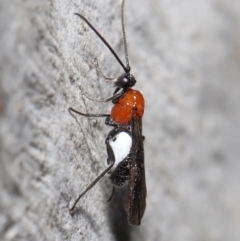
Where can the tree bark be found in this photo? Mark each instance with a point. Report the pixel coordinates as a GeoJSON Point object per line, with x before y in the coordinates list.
{"type": "Point", "coordinates": [185, 56]}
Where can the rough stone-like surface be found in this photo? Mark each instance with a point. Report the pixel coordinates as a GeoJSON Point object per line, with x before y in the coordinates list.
{"type": "Point", "coordinates": [186, 57]}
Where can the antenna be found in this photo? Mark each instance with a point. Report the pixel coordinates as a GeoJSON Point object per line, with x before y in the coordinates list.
{"type": "Point", "coordinates": [124, 39]}
{"type": "Point", "coordinates": [127, 67]}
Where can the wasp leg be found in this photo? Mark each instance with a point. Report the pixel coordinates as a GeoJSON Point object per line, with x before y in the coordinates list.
{"type": "Point", "coordinates": [113, 98]}
{"type": "Point", "coordinates": [112, 194]}
{"type": "Point", "coordinates": [87, 115]}
{"type": "Point", "coordinates": [110, 122]}
{"type": "Point", "coordinates": [101, 73]}
{"type": "Point", "coordinates": [91, 185]}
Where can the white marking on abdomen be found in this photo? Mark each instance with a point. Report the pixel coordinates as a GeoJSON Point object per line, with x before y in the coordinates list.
{"type": "Point", "coordinates": [121, 145]}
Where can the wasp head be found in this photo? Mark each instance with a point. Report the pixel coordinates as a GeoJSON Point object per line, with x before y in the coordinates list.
{"type": "Point", "coordinates": [125, 81]}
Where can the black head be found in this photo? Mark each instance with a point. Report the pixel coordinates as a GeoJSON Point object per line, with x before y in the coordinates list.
{"type": "Point", "coordinates": [125, 81]}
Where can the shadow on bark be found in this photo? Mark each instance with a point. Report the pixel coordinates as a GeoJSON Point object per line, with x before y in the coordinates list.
{"type": "Point", "coordinates": [117, 216]}
{"type": "Point", "coordinates": [88, 217]}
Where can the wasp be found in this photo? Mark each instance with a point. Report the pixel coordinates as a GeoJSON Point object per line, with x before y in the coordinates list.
{"type": "Point", "coordinates": [124, 143]}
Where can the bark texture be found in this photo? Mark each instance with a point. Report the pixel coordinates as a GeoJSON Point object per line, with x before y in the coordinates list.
{"type": "Point", "coordinates": [185, 56]}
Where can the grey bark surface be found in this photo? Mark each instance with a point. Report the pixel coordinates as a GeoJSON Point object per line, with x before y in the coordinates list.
{"type": "Point", "coordinates": [186, 58]}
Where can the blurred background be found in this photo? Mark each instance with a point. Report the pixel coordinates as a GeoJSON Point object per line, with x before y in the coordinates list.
{"type": "Point", "coordinates": [185, 56]}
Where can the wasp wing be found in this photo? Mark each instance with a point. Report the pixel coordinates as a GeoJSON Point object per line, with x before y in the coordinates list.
{"type": "Point", "coordinates": [135, 202]}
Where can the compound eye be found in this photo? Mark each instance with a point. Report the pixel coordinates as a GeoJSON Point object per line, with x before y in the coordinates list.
{"type": "Point", "coordinates": [132, 81]}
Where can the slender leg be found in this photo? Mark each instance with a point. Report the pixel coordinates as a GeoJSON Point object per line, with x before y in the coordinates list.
{"type": "Point", "coordinates": [91, 185]}
{"type": "Point", "coordinates": [87, 115]}
{"type": "Point", "coordinates": [115, 97]}
{"type": "Point", "coordinates": [112, 194]}
{"type": "Point", "coordinates": [101, 73]}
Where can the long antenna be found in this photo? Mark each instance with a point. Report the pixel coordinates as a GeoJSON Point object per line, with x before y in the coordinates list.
{"type": "Point", "coordinates": [126, 69]}
{"type": "Point", "coordinates": [124, 39]}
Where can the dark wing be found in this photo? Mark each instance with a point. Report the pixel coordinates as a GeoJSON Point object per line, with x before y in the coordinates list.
{"type": "Point", "coordinates": [135, 202]}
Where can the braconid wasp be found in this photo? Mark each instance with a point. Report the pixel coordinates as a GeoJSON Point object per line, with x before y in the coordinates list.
{"type": "Point", "coordinates": [124, 142]}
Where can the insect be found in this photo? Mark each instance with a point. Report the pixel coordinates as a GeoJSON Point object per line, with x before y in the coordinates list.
{"type": "Point", "coordinates": [124, 142]}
